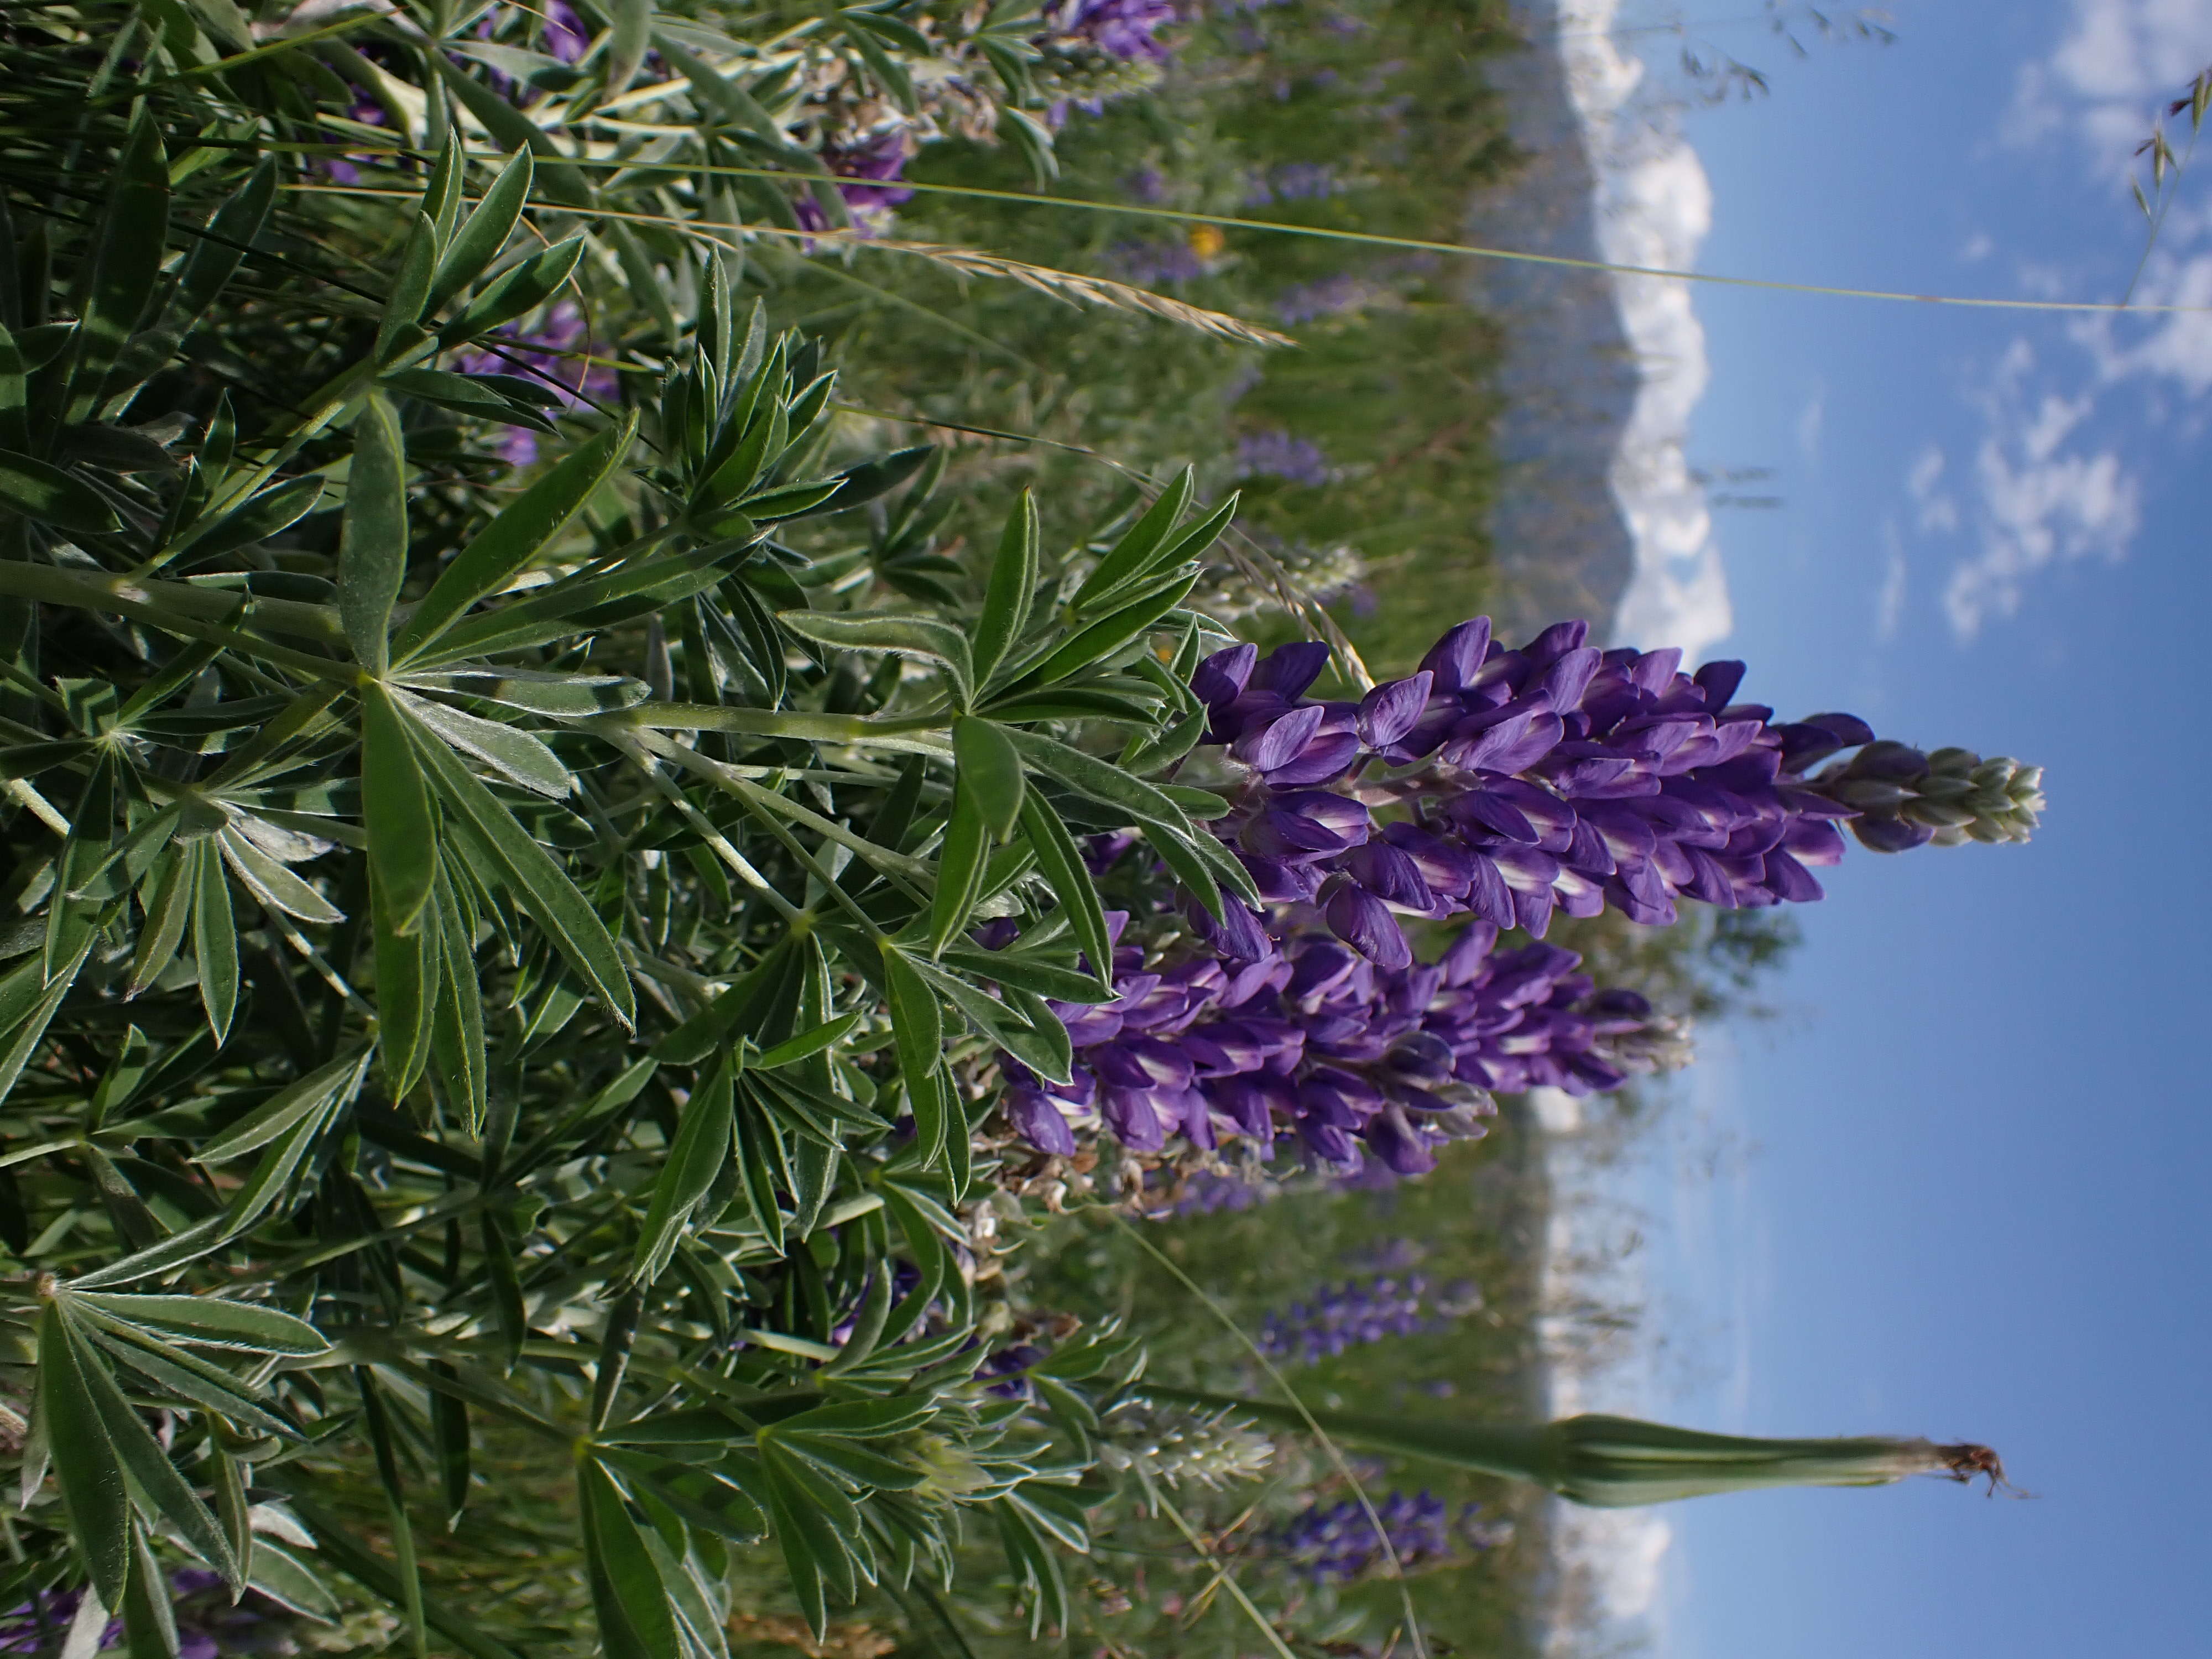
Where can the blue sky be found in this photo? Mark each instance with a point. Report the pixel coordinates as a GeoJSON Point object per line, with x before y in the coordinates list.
{"type": "Point", "coordinates": [1965, 1193]}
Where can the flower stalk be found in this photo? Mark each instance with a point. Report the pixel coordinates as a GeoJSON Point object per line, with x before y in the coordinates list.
{"type": "Point", "coordinates": [1620, 1462]}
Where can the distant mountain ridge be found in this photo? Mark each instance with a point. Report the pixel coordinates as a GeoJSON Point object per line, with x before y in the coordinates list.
{"type": "Point", "coordinates": [1598, 515]}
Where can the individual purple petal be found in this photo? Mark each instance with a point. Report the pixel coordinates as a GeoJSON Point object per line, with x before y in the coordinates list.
{"type": "Point", "coordinates": [1223, 676]}
{"type": "Point", "coordinates": [1388, 712]}
{"type": "Point", "coordinates": [1362, 922]}
{"type": "Point", "coordinates": [1464, 960]}
{"type": "Point", "coordinates": [1719, 681]}
{"type": "Point", "coordinates": [1653, 670]}
{"type": "Point", "coordinates": [1564, 683]}
{"type": "Point", "coordinates": [1237, 934]}
{"type": "Point", "coordinates": [1251, 1103]}
{"type": "Point", "coordinates": [1133, 1118]}
{"type": "Point", "coordinates": [1276, 742]}
{"type": "Point", "coordinates": [1322, 761]}
{"type": "Point", "coordinates": [1788, 880]}
{"type": "Point", "coordinates": [1555, 642]}
{"type": "Point", "coordinates": [1288, 670]}
{"type": "Point", "coordinates": [1038, 1121]}
{"type": "Point", "coordinates": [1278, 880]}
{"type": "Point", "coordinates": [1454, 660]}
{"type": "Point", "coordinates": [1390, 874]}
{"type": "Point", "coordinates": [1391, 1135]}
{"type": "Point", "coordinates": [1442, 867]}
{"type": "Point", "coordinates": [1814, 840]}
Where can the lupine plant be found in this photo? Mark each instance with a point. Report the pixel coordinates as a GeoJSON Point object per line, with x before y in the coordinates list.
{"type": "Point", "coordinates": [568, 953]}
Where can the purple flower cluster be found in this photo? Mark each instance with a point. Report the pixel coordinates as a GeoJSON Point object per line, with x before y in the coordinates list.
{"type": "Point", "coordinates": [1293, 181]}
{"type": "Point", "coordinates": [1332, 296]}
{"type": "Point", "coordinates": [1279, 455]}
{"type": "Point", "coordinates": [1316, 1039]}
{"type": "Point", "coordinates": [207, 1624]}
{"type": "Point", "coordinates": [1349, 1316]}
{"type": "Point", "coordinates": [557, 352]}
{"type": "Point", "coordinates": [1121, 28]}
{"type": "Point", "coordinates": [1509, 783]}
{"type": "Point", "coordinates": [868, 172]}
{"type": "Point", "coordinates": [1150, 264]}
{"type": "Point", "coordinates": [1331, 1543]}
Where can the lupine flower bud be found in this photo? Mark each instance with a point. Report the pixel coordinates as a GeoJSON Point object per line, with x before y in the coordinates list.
{"type": "Point", "coordinates": [1905, 799]}
{"type": "Point", "coordinates": [1172, 1443]}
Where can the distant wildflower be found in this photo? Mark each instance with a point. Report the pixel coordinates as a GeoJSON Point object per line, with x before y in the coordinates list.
{"type": "Point", "coordinates": [1332, 296]}
{"type": "Point", "coordinates": [868, 174]}
{"type": "Point", "coordinates": [1279, 455]}
{"type": "Point", "coordinates": [1360, 1311]}
{"type": "Point", "coordinates": [1333, 1543]}
{"type": "Point", "coordinates": [556, 352]}
{"type": "Point", "coordinates": [1151, 263]}
{"type": "Point", "coordinates": [1121, 28]}
{"type": "Point", "coordinates": [563, 32]}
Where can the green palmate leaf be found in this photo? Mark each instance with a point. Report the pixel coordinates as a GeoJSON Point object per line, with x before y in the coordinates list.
{"type": "Point", "coordinates": [1034, 1565]}
{"type": "Point", "coordinates": [989, 767]}
{"type": "Point", "coordinates": [311, 1095]}
{"type": "Point", "coordinates": [880, 475]}
{"type": "Point", "coordinates": [631, 1603]}
{"type": "Point", "coordinates": [449, 1422]}
{"type": "Point", "coordinates": [1102, 638]}
{"type": "Point", "coordinates": [410, 977]}
{"type": "Point", "coordinates": [1034, 974]}
{"type": "Point", "coordinates": [134, 234]}
{"type": "Point", "coordinates": [373, 540]}
{"type": "Point", "coordinates": [525, 528]}
{"type": "Point", "coordinates": [1096, 780]}
{"type": "Point", "coordinates": [257, 519]}
{"type": "Point", "coordinates": [49, 495]}
{"type": "Point", "coordinates": [918, 1022]}
{"type": "Point", "coordinates": [960, 867]}
{"type": "Point", "coordinates": [149, 1619]}
{"type": "Point", "coordinates": [514, 753]}
{"type": "Point", "coordinates": [740, 1010]}
{"type": "Point", "coordinates": [167, 896]}
{"type": "Point", "coordinates": [698, 1155]}
{"type": "Point", "coordinates": [85, 1460]}
{"type": "Point", "coordinates": [285, 1579]}
{"type": "Point", "coordinates": [1130, 557]}
{"type": "Point", "coordinates": [270, 882]}
{"type": "Point", "coordinates": [524, 288]}
{"type": "Point", "coordinates": [155, 1479]}
{"type": "Point", "coordinates": [403, 830]}
{"type": "Point", "coordinates": [1006, 600]}
{"type": "Point", "coordinates": [920, 636]}
{"type": "Point", "coordinates": [480, 238]}
{"type": "Point", "coordinates": [541, 885]}
{"type": "Point", "coordinates": [569, 697]}
{"type": "Point", "coordinates": [457, 1025]}
{"type": "Point", "coordinates": [38, 998]}
{"type": "Point", "coordinates": [287, 1153]}
{"type": "Point", "coordinates": [561, 609]}
{"type": "Point", "coordinates": [397, 334]}
{"type": "Point", "coordinates": [807, 1043]}
{"type": "Point", "coordinates": [215, 936]}
{"type": "Point", "coordinates": [208, 1322]}
{"type": "Point", "coordinates": [1060, 861]}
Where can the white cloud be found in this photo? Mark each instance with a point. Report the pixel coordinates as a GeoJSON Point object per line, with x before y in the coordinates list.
{"type": "Point", "coordinates": [1812, 422]}
{"type": "Point", "coordinates": [1978, 246]}
{"type": "Point", "coordinates": [1937, 511]}
{"type": "Point", "coordinates": [2037, 502]}
{"type": "Point", "coordinates": [2105, 81]}
{"type": "Point", "coordinates": [1889, 600]}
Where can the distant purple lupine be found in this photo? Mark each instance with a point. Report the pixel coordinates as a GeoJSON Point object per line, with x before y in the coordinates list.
{"type": "Point", "coordinates": [1332, 1543]}
{"type": "Point", "coordinates": [1123, 28]}
{"type": "Point", "coordinates": [1279, 455]}
{"type": "Point", "coordinates": [868, 175]}
{"type": "Point", "coordinates": [557, 349]}
{"type": "Point", "coordinates": [1332, 296]}
{"type": "Point", "coordinates": [1150, 264]}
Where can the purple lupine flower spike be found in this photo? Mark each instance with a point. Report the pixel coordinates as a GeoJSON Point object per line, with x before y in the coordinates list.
{"type": "Point", "coordinates": [1561, 777]}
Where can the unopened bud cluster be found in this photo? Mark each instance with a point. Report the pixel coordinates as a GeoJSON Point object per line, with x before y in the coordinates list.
{"type": "Point", "coordinates": [1905, 798]}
